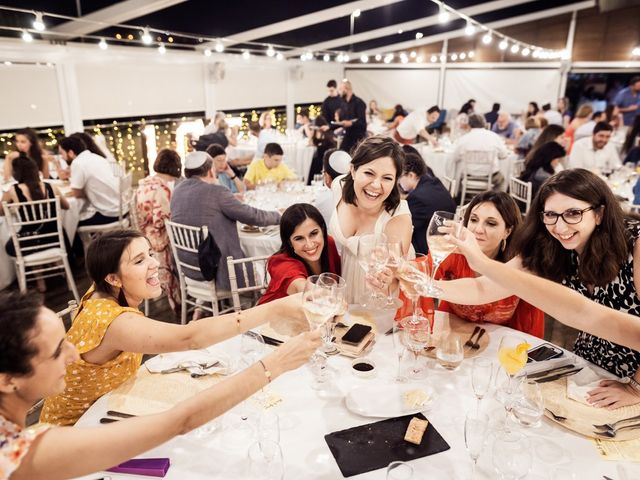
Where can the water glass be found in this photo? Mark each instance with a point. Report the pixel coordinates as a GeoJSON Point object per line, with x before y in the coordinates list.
{"type": "Point", "coordinates": [269, 427]}
{"type": "Point", "coordinates": [476, 426]}
{"type": "Point", "coordinates": [399, 471]}
{"type": "Point", "coordinates": [416, 338]}
{"type": "Point", "coordinates": [400, 348]}
{"type": "Point", "coordinates": [481, 373]}
{"type": "Point", "coordinates": [528, 407]}
{"type": "Point", "coordinates": [252, 347]}
{"type": "Point", "coordinates": [449, 352]}
{"type": "Point", "coordinates": [317, 181]}
{"type": "Point", "coordinates": [511, 455]}
{"type": "Point", "coordinates": [265, 460]}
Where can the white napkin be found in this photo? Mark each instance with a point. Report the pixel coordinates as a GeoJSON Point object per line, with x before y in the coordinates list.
{"type": "Point", "coordinates": [192, 360]}
{"type": "Point", "coordinates": [582, 382]}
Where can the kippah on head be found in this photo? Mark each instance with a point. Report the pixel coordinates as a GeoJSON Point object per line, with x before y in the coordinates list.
{"type": "Point", "coordinates": [195, 160]}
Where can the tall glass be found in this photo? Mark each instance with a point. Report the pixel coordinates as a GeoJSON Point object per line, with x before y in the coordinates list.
{"type": "Point", "coordinates": [411, 274]}
{"type": "Point", "coordinates": [512, 355]}
{"type": "Point", "coordinates": [339, 287]}
{"type": "Point", "coordinates": [476, 426]}
{"type": "Point", "coordinates": [372, 257]}
{"type": "Point", "coordinates": [399, 471]}
{"type": "Point", "coordinates": [394, 259]}
{"type": "Point", "coordinates": [439, 247]}
{"type": "Point", "coordinates": [265, 460]}
{"type": "Point", "coordinates": [481, 373]}
{"type": "Point", "coordinates": [400, 348]}
{"type": "Point", "coordinates": [416, 339]}
{"type": "Point", "coordinates": [512, 455]}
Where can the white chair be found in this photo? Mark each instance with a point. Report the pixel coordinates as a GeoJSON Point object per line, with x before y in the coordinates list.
{"type": "Point", "coordinates": [521, 191]}
{"type": "Point", "coordinates": [252, 271]}
{"type": "Point", "coordinates": [134, 224]}
{"type": "Point", "coordinates": [477, 172]}
{"type": "Point", "coordinates": [517, 168]}
{"type": "Point", "coordinates": [451, 185]}
{"type": "Point", "coordinates": [185, 239]}
{"type": "Point", "coordinates": [88, 232]}
{"type": "Point", "coordinates": [461, 210]}
{"type": "Point", "coordinates": [48, 257]}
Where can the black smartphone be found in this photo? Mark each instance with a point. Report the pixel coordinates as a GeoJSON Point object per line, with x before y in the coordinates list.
{"type": "Point", "coordinates": [543, 352]}
{"type": "Point", "coordinates": [356, 334]}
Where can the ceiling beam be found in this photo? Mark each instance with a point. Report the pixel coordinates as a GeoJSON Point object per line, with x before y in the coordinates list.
{"type": "Point", "coordinates": [507, 22]}
{"type": "Point", "coordinates": [303, 21]}
{"type": "Point", "coordinates": [406, 26]}
{"type": "Point", "coordinates": [118, 13]}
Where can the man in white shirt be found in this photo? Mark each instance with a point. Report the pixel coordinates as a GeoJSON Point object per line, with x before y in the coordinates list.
{"type": "Point", "coordinates": [553, 116]}
{"type": "Point", "coordinates": [93, 178]}
{"type": "Point", "coordinates": [480, 139]}
{"type": "Point", "coordinates": [415, 124]}
{"type": "Point", "coordinates": [595, 152]}
{"type": "Point", "coordinates": [586, 130]}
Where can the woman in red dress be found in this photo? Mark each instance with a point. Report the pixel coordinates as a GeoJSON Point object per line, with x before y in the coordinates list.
{"type": "Point", "coordinates": [306, 250]}
{"type": "Point", "coordinates": [492, 217]}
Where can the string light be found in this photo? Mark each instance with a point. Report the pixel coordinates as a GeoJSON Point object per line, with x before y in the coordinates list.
{"type": "Point", "coordinates": [26, 36]}
{"type": "Point", "coordinates": [207, 52]}
{"type": "Point", "coordinates": [413, 54]}
{"type": "Point", "coordinates": [270, 51]}
{"type": "Point", "coordinates": [443, 14]}
{"type": "Point", "coordinates": [378, 57]}
{"type": "Point", "coordinates": [469, 30]}
{"type": "Point", "coordinates": [246, 55]}
{"type": "Point", "coordinates": [219, 47]}
{"type": "Point", "coordinates": [38, 23]}
{"type": "Point", "coordinates": [434, 58]}
{"type": "Point", "coordinates": [103, 44]}
{"type": "Point", "coordinates": [515, 48]}
{"type": "Point", "coordinates": [636, 52]}
{"type": "Point", "coordinates": [279, 56]}
{"type": "Point", "coordinates": [364, 58]}
{"type": "Point", "coordinates": [162, 49]}
{"type": "Point", "coordinates": [326, 57]}
{"type": "Point", "coordinates": [503, 45]}
{"type": "Point", "coordinates": [487, 38]}
{"type": "Point", "coordinates": [419, 35]}
{"type": "Point", "coordinates": [146, 36]}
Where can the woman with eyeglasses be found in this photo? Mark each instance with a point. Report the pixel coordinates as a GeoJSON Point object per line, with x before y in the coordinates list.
{"type": "Point", "coordinates": [576, 234]}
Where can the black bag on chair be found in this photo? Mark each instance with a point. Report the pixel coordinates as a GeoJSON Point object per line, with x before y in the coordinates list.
{"type": "Point", "coordinates": [209, 257]}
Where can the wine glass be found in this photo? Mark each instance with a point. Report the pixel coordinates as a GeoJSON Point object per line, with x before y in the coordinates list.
{"type": "Point", "coordinates": [339, 288]}
{"type": "Point", "coordinates": [372, 257]}
{"type": "Point", "coordinates": [400, 348]}
{"type": "Point", "coordinates": [449, 352]}
{"type": "Point", "coordinates": [512, 355]}
{"type": "Point", "coordinates": [265, 460]}
{"type": "Point", "coordinates": [252, 348]}
{"type": "Point", "coordinates": [411, 274]}
{"type": "Point", "coordinates": [269, 427]}
{"type": "Point", "coordinates": [475, 433]}
{"type": "Point", "coordinates": [481, 373]}
{"type": "Point", "coordinates": [511, 455]}
{"type": "Point", "coordinates": [394, 259]}
{"type": "Point", "coordinates": [439, 248]}
{"type": "Point", "coordinates": [528, 408]}
{"type": "Point", "coordinates": [399, 471]}
{"type": "Point", "coordinates": [416, 338]}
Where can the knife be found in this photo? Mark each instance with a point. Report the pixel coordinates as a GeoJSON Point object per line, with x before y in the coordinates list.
{"type": "Point", "coordinates": [555, 370]}
{"type": "Point", "coordinates": [113, 413]}
{"type": "Point", "coordinates": [557, 376]}
{"type": "Point", "coordinates": [272, 341]}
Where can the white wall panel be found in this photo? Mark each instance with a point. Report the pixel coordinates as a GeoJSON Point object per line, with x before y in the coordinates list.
{"type": "Point", "coordinates": [313, 86]}
{"type": "Point", "coordinates": [512, 88]}
{"type": "Point", "coordinates": [253, 85]}
{"type": "Point", "coordinates": [412, 88]}
{"type": "Point", "coordinates": [29, 97]}
{"type": "Point", "coordinates": [127, 88]}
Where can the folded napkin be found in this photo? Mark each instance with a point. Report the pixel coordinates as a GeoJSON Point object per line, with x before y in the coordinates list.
{"type": "Point", "coordinates": [193, 361]}
{"type": "Point", "coordinates": [582, 382]}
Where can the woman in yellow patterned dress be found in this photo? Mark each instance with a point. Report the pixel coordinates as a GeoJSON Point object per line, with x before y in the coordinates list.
{"type": "Point", "coordinates": [111, 334]}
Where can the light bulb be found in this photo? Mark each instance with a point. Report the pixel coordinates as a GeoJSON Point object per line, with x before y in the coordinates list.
{"type": "Point", "coordinates": [443, 58]}
{"type": "Point", "coordinates": [378, 57]}
{"type": "Point", "coordinates": [471, 54]}
{"type": "Point", "coordinates": [146, 36]}
{"type": "Point", "coordinates": [469, 29]}
{"type": "Point", "coordinates": [103, 44]}
{"type": "Point", "coordinates": [434, 58]}
{"type": "Point", "coordinates": [270, 51]}
{"type": "Point", "coordinates": [443, 14]}
{"type": "Point", "coordinates": [246, 55]}
{"type": "Point", "coordinates": [326, 57]}
{"type": "Point", "coordinates": [515, 48]}
{"type": "Point", "coordinates": [38, 23]}
{"type": "Point", "coordinates": [404, 60]}
{"type": "Point", "coordinates": [219, 47]}
{"type": "Point", "coordinates": [463, 56]}
{"type": "Point", "coordinates": [419, 35]}
{"type": "Point", "coordinates": [413, 54]}
{"type": "Point", "coordinates": [400, 31]}
{"type": "Point", "coordinates": [279, 56]}
{"type": "Point", "coordinates": [454, 57]}
{"type": "Point", "coordinates": [503, 45]}
{"type": "Point", "coordinates": [162, 49]}
{"type": "Point", "coordinates": [636, 52]}
{"type": "Point", "coordinates": [346, 58]}
{"type": "Point", "coordinates": [27, 37]}
{"type": "Point", "coordinates": [487, 38]}
{"type": "Point", "coordinates": [364, 58]}
{"type": "Point", "coordinates": [207, 52]}
{"type": "Point", "coordinates": [526, 51]}
{"type": "Point", "coordinates": [419, 59]}
{"type": "Point", "coordinates": [356, 13]}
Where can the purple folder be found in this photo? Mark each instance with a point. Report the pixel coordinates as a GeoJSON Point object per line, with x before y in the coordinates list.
{"type": "Point", "coordinates": [152, 467]}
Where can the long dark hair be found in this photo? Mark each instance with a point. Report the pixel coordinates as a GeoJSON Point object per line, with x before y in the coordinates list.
{"type": "Point", "coordinates": [290, 220]}
{"type": "Point", "coordinates": [548, 134]}
{"type": "Point", "coordinates": [367, 151]}
{"type": "Point", "coordinates": [103, 258]}
{"type": "Point", "coordinates": [633, 134]}
{"type": "Point", "coordinates": [508, 210]}
{"type": "Point", "coordinates": [35, 151]}
{"type": "Point", "coordinates": [26, 171]}
{"type": "Point", "coordinates": [606, 249]}
{"type": "Point", "coordinates": [91, 144]}
{"type": "Point", "coordinates": [18, 323]}
{"type": "Point", "coordinates": [542, 158]}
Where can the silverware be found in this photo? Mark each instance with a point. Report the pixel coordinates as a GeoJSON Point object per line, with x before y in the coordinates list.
{"type": "Point", "coordinates": [553, 378]}
{"type": "Point", "coordinates": [113, 413]}
{"type": "Point", "coordinates": [550, 371]}
{"type": "Point", "coordinates": [607, 478]}
{"type": "Point", "coordinates": [476, 344]}
{"type": "Point", "coordinates": [558, 418]}
{"type": "Point", "coordinates": [469, 343]}
{"type": "Point", "coordinates": [614, 425]}
{"type": "Point", "coordinates": [613, 433]}
{"type": "Point", "coordinates": [188, 365]}
{"type": "Point", "coordinates": [109, 420]}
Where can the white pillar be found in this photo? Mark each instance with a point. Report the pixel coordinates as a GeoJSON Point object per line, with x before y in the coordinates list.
{"type": "Point", "coordinates": [443, 72]}
{"type": "Point", "coordinates": [213, 73]}
{"type": "Point", "coordinates": [566, 63]}
{"type": "Point", "coordinates": [293, 74]}
{"type": "Point", "coordinates": [69, 98]}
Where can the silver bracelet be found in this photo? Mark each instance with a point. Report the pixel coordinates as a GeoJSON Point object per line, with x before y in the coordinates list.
{"type": "Point", "coordinates": [634, 384]}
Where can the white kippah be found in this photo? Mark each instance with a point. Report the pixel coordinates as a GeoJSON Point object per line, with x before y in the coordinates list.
{"type": "Point", "coordinates": [340, 161]}
{"type": "Point", "coordinates": [195, 160]}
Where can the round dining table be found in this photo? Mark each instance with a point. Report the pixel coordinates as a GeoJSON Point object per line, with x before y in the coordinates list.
{"type": "Point", "coordinates": [307, 415]}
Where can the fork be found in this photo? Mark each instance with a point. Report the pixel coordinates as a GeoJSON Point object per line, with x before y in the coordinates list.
{"type": "Point", "coordinates": [611, 433]}
{"type": "Point", "coordinates": [614, 425]}
{"type": "Point", "coordinates": [469, 343]}
{"type": "Point", "coordinates": [558, 418]}
{"type": "Point", "coordinates": [476, 344]}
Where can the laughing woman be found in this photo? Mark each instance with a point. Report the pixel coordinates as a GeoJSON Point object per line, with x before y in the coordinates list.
{"type": "Point", "coordinates": [368, 202]}
{"type": "Point", "coordinates": [306, 250]}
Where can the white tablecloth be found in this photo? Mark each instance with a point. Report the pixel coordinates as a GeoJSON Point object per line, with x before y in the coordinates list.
{"type": "Point", "coordinates": [259, 244]}
{"type": "Point", "coordinates": [305, 417]}
{"type": "Point", "coordinates": [298, 156]}
{"type": "Point", "coordinates": [242, 150]}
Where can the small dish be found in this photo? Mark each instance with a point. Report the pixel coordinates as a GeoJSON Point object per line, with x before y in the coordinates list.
{"type": "Point", "coordinates": [363, 367]}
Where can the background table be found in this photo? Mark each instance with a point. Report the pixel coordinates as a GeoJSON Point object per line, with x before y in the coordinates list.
{"type": "Point", "coordinates": [306, 416]}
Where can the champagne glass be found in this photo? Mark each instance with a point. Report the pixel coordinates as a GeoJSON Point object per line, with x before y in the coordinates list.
{"type": "Point", "coordinates": [416, 338]}
{"type": "Point", "coordinates": [372, 259]}
{"type": "Point", "coordinates": [449, 352]}
{"type": "Point", "coordinates": [252, 348]}
{"type": "Point", "coordinates": [399, 471]}
{"type": "Point", "coordinates": [410, 274]}
{"type": "Point", "coordinates": [511, 455]}
{"type": "Point", "coordinates": [339, 287]}
{"type": "Point", "coordinates": [400, 348]}
{"type": "Point", "coordinates": [269, 427]}
{"type": "Point", "coordinates": [475, 433]}
{"type": "Point", "coordinates": [481, 373]}
{"type": "Point", "coordinates": [394, 249]}
{"type": "Point", "coordinates": [512, 355]}
{"type": "Point", "coordinates": [439, 248]}
{"type": "Point", "coordinates": [265, 460]}
{"type": "Point", "coordinates": [528, 409]}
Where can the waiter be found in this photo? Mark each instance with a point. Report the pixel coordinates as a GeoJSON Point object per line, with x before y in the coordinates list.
{"type": "Point", "coordinates": [353, 118]}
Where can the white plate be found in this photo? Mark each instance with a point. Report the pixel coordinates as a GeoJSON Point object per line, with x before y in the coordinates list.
{"type": "Point", "coordinates": [385, 400]}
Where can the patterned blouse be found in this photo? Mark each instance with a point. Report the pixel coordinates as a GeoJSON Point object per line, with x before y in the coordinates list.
{"type": "Point", "coordinates": [619, 294]}
{"type": "Point", "coordinates": [86, 382]}
{"type": "Point", "coordinates": [15, 442]}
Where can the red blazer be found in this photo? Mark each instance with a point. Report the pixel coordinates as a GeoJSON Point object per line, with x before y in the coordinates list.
{"type": "Point", "coordinates": [283, 270]}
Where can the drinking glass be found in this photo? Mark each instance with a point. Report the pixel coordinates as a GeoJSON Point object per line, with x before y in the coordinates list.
{"type": "Point", "coordinates": [252, 348]}
{"type": "Point", "coordinates": [528, 408]}
{"type": "Point", "coordinates": [394, 249]}
{"type": "Point", "coordinates": [439, 248]}
{"type": "Point", "coordinates": [339, 288]}
{"type": "Point", "coordinates": [416, 338]}
{"type": "Point", "coordinates": [476, 426]}
{"type": "Point", "coordinates": [481, 373]}
{"type": "Point", "coordinates": [511, 455]}
{"type": "Point", "coordinates": [449, 352]}
{"type": "Point", "coordinates": [410, 274]}
{"type": "Point", "coordinates": [269, 427]}
{"type": "Point", "coordinates": [400, 348]}
{"type": "Point", "coordinates": [317, 181]}
{"type": "Point", "coordinates": [399, 471]}
{"type": "Point", "coordinates": [265, 460]}
{"type": "Point", "coordinates": [512, 355]}
{"type": "Point", "coordinates": [372, 257]}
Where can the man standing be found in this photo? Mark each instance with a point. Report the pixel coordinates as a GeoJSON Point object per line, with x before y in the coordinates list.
{"type": "Point", "coordinates": [353, 115]}
{"type": "Point", "coordinates": [415, 125]}
{"type": "Point", "coordinates": [628, 101]}
{"type": "Point", "coordinates": [332, 103]}
{"type": "Point", "coordinates": [269, 169]}
{"type": "Point", "coordinates": [595, 152]}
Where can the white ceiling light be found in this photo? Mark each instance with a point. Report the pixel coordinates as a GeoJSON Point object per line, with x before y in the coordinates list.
{"type": "Point", "coordinates": [326, 57]}
{"type": "Point", "coordinates": [27, 37]}
{"type": "Point", "coordinates": [38, 23]}
{"type": "Point", "coordinates": [8, 63]}
{"type": "Point", "coordinates": [270, 51]}
{"type": "Point", "coordinates": [246, 55]}
{"type": "Point", "coordinates": [364, 59]}
{"type": "Point", "coordinates": [503, 45]}
{"type": "Point", "coordinates": [303, 57]}
{"type": "Point", "coordinates": [434, 58]}
{"type": "Point", "coordinates": [356, 13]}
{"type": "Point", "coordinates": [443, 14]}
{"type": "Point", "coordinates": [526, 51]}
{"type": "Point", "coordinates": [404, 60]}
{"type": "Point", "coordinates": [378, 57]}
{"type": "Point", "coordinates": [443, 58]}
{"type": "Point", "coordinates": [463, 56]}
{"type": "Point", "coordinates": [413, 54]}
{"type": "Point", "coordinates": [419, 59]}
{"type": "Point", "coordinates": [207, 52]}
{"type": "Point", "coordinates": [419, 35]}
{"type": "Point", "coordinates": [219, 47]}
{"type": "Point", "coordinates": [346, 57]}
{"type": "Point", "coordinates": [471, 54]}
{"type": "Point", "coordinates": [469, 29]}
{"type": "Point", "coordinates": [103, 44]}
{"type": "Point", "coordinates": [388, 58]}
{"type": "Point", "coordinates": [279, 56]}
{"type": "Point", "coordinates": [146, 36]}
{"type": "Point", "coordinates": [536, 53]}
{"type": "Point", "coordinates": [162, 49]}
{"type": "Point", "coordinates": [454, 57]}
{"type": "Point", "coordinates": [487, 38]}
{"type": "Point", "coordinates": [515, 48]}
{"type": "Point", "coordinates": [400, 32]}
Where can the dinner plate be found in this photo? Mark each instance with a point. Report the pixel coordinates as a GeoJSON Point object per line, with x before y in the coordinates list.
{"type": "Point", "coordinates": [385, 400]}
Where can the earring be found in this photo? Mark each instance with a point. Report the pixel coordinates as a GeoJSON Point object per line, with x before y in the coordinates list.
{"type": "Point", "coordinates": [503, 245]}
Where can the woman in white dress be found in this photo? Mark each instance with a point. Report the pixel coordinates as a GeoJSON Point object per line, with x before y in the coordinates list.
{"type": "Point", "coordinates": [368, 201]}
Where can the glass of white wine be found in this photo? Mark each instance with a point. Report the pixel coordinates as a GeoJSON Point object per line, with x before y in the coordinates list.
{"type": "Point", "coordinates": [439, 248]}
{"type": "Point", "coordinates": [339, 288]}
{"type": "Point", "coordinates": [394, 259]}
{"type": "Point", "coordinates": [411, 274]}
{"type": "Point", "coordinates": [372, 257]}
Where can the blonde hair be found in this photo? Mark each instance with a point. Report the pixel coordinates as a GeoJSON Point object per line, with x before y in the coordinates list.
{"type": "Point", "coordinates": [584, 111]}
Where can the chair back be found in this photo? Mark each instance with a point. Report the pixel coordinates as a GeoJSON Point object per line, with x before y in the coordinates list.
{"type": "Point", "coordinates": [126, 195]}
{"type": "Point", "coordinates": [71, 310]}
{"type": "Point", "coordinates": [450, 184]}
{"type": "Point", "coordinates": [134, 221]}
{"type": "Point", "coordinates": [185, 238]}
{"type": "Point", "coordinates": [477, 172]}
{"type": "Point", "coordinates": [462, 210]}
{"type": "Point", "coordinates": [521, 191]}
{"type": "Point", "coordinates": [252, 272]}
{"type": "Point", "coordinates": [517, 168]}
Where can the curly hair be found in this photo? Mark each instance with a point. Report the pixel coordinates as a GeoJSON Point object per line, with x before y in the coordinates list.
{"type": "Point", "coordinates": [18, 318]}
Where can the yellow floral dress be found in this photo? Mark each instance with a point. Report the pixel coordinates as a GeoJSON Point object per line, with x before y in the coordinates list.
{"type": "Point", "coordinates": [86, 382]}
{"type": "Point", "coordinates": [15, 442]}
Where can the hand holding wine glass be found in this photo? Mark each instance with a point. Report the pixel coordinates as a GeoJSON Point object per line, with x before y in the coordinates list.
{"type": "Point", "coordinates": [372, 257]}
{"type": "Point", "coordinates": [439, 247]}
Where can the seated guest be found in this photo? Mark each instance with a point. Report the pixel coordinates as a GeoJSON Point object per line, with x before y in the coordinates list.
{"type": "Point", "coordinates": [373, 112]}
{"type": "Point", "coordinates": [396, 118]}
{"type": "Point", "coordinates": [532, 131]}
{"type": "Point", "coordinates": [492, 217]}
{"type": "Point", "coordinates": [153, 200]}
{"type": "Point", "coordinates": [492, 116]}
{"type": "Point", "coordinates": [268, 169]}
{"type": "Point", "coordinates": [582, 116]}
{"type": "Point", "coordinates": [595, 152]}
{"type": "Point", "coordinates": [478, 138]}
{"type": "Point", "coordinates": [111, 334]}
{"type": "Point", "coordinates": [303, 123]}
{"type": "Point", "coordinates": [334, 163]}
{"type": "Point", "coordinates": [225, 174]}
{"type": "Point", "coordinates": [542, 164]}
{"type": "Point", "coordinates": [93, 178]}
{"type": "Point", "coordinates": [306, 250]}
{"type": "Point", "coordinates": [505, 127]}
{"type": "Point", "coordinates": [550, 133]}
{"type": "Point", "coordinates": [26, 142]}
{"type": "Point", "coordinates": [586, 130]}
{"type": "Point", "coordinates": [468, 107]}
{"type": "Point", "coordinates": [532, 109]}
{"type": "Point", "coordinates": [200, 200]}
{"type": "Point", "coordinates": [553, 116]}
{"type": "Point", "coordinates": [267, 134]}
{"type": "Point", "coordinates": [425, 195]}
{"type": "Point", "coordinates": [415, 125]}
{"type": "Point", "coordinates": [323, 139]}
{"type": "Point", "coordinates": [564, 109]}
{"type": "Point", "coordinates": [632, 139]}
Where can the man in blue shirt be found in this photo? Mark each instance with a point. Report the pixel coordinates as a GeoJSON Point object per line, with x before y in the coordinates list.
{"type": "Point", "coordinates": [226, 176]}
{"type": "Point", "coordinates": [628, 101]}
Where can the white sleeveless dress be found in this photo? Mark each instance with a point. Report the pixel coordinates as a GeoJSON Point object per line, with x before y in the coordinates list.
{"type": "Point", "coordinates": [348, 247]}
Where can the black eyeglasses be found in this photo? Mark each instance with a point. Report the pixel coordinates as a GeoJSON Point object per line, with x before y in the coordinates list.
{"type": "Point", "coordinates": [570, 217]}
